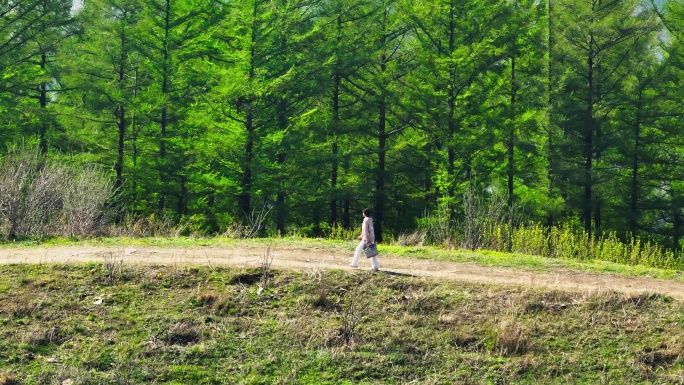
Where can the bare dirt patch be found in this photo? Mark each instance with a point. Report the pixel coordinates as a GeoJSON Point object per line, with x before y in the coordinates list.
{"type": "Point", "coordinates": [307, 259]}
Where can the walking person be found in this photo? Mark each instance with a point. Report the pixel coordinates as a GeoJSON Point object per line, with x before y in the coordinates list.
{"type": "Point", "coordinates": [367, 237]}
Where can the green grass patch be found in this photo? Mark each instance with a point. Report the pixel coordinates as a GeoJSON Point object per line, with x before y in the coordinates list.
{"type": "Point", "coordinates": [528, 262]}
{"type": "Point", "coordinates": [203, 325]}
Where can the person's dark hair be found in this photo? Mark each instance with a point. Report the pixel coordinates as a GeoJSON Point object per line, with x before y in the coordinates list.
{"type": "Point", "coordinates": [367, 212]}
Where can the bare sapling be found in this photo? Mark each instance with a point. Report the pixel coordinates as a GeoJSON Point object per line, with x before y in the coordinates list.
{"type": "Point", "coordinates": [254, 222]}
{"type": "Point", "coordinates": [266, 261]}
{"type": "Point", "coordinates": [354, 305]}
{"type": "Point", "coordinates": [113, 267]}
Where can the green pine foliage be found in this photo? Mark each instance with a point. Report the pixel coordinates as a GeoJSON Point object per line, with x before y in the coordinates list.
{"type": "Point", "coordinates": [307, 111]}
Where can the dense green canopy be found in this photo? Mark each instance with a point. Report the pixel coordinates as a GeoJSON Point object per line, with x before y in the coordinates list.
{"type": "Point", "coordinates": [311, 110]}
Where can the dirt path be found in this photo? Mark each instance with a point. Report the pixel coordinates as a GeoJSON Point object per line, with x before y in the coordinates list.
{"type": "Point", "coordinates": [307, 259]}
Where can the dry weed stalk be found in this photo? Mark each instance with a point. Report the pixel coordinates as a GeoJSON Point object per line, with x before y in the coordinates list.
{"type": "Point", "coordinates": [439, 226]}
{"type": "Point", "coordinates": [114, 268]}
{"type": "Point", "coordinates": [353, 308]}
{"type": "Point", "coordinates": [250, 227]}
{"type": "Point", "coordinates": [266, 261]}
{"type": "Point", "coordinates": [511, 340]}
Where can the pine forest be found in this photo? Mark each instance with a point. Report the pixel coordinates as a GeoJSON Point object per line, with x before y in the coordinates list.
{"type": "Point", "coordinates": [557, 114]}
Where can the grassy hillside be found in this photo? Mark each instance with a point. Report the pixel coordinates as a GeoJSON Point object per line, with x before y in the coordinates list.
{"type": "Point", "coordinates": [117, 324]}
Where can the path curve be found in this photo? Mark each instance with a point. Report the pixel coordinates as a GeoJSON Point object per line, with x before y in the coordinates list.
{"type": "Point", "coordinates": [307, 259]}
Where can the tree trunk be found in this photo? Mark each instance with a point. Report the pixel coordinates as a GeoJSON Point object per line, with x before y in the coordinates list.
{"type": "Point", "coordinates": [244, 199]}
{"type": "Point", "coordinates": [335, 165]}
{"type": "Point", "coordinates": [317, 221]}
{"type": "Point", "coordinates": [677, 222]}
{"type": "Point", "coordinates": [283, 122]}
{"type": "Point", "coordinates": [42, 133]}
{"type": "Point", "coordinates": [510, 169]}
{"type": "Point", "coordinates": [451, 105]}
{"type": "Point", "coordinates": [162, 160]}
{"type": "Point", "coordinates": [164, 118]}
{"type": "Point", "coordinates": [183, 196]}
{"type": "Point", "coordinates": [549, 81]}
{"type": "Point", "coordinates": [121, 125]}
{"type": "Point", "coordinates": [380, 181]}
{"type": "Point", "coordinates": [134, 133]}
{"type": "Point", "coordinates": [598, 150]}
{"type": "Point", "coordinates": [634, 193]}
{"type": "Point", "coordinates": [589, 142]}
{"type": "Point", "coordinates": [346, 214]}
{"type": "Point", "coordinates": [337, 80]}
{"type": "Point", "coordinates": [380, 174]}
{"type": "Point", "coordinates": [280, 198]}
{"type": "Point", "coordinates": [121, 119]}
{"type": "Point", "coordinates": [346, 202]}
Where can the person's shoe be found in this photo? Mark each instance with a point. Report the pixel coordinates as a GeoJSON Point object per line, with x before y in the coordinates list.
{"type": "Point", "coordinates": [375, 269]}
{"type": "Point", "coordinates": [353, 266]}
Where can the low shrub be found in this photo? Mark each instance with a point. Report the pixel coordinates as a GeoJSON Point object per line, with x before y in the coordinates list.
{"type": "Point", "coordinates": [340, 233]}
{"type": "Point", "coordinates": [41, 197]}
{"type": "Point", "coordinates": [485, 222]}
{"type": "Point", "coordinates": [566, 243]}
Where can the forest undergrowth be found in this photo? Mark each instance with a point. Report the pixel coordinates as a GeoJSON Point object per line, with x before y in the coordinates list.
{"type": "Point", "coordinates": [41, 198]}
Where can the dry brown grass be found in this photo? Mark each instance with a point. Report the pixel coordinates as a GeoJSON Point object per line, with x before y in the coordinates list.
{"type": "Point", "coordinates": [208, 298]}
{"type": "Point", "coordinates": [8, 379]}
{"type": "Point", "coordinates": [511, 340]}
{"type": "Point", "coordinates": [663, 355]}
{"type": "Point", "coordinates": [333, 338]}
{"type": "Point", "coordinates": [324, 300]}
{"type": "Point", "coordinates": [468, 340]}
{"type": "Point", "coordinates": [184, 333]}
{"type": "Point", "coordinates": [416, 238]}
{"type": "Point", "coordinates": [23, 305]}
{"type": "Point", "coordinates": [40, 336]}
{"type": "Point", "coordinates": [449, 318]}
{"type": "Point", "coordinates": [152, 226]}
{"type": "Point", "coordinates": [644, 298]}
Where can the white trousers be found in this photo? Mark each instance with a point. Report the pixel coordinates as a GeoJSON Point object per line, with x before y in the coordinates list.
{"type": "Point", "coordinates": [357, 254]}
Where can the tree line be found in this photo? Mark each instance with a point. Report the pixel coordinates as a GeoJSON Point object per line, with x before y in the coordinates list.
{"type": "Point", "coordinates": [213, 110]}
